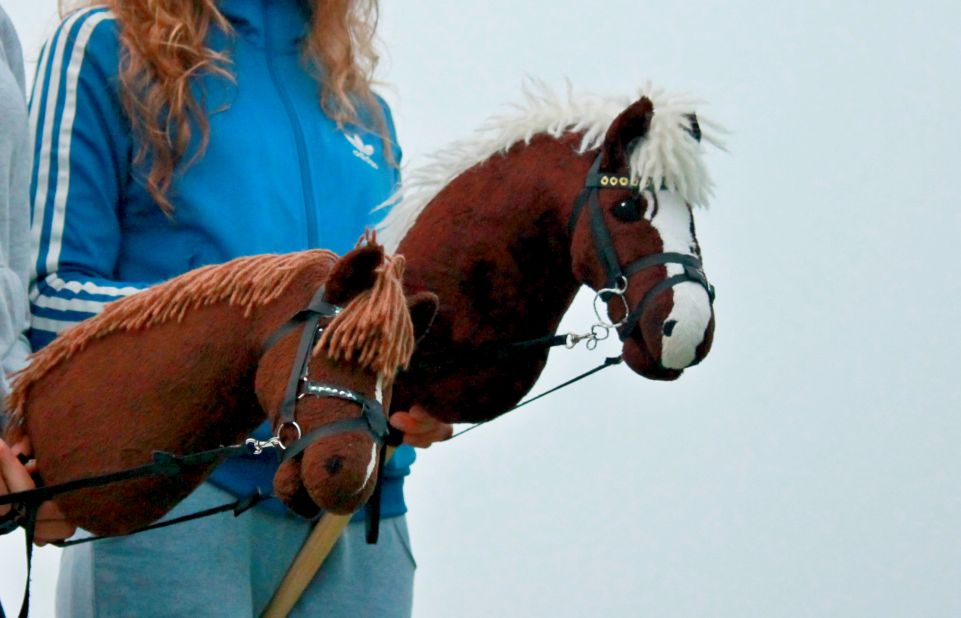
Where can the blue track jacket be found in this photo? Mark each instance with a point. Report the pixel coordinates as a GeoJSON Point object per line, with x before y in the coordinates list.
{"type": "Point", "coordinates": [277, 177]}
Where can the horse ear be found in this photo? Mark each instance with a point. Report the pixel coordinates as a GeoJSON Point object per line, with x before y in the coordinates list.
{"type": "Point", "coordinates": [353, 273]}
{"type": "Point", "coordinates": [630, 125]}
{"type": "Point", "coordinates": [423, 308]}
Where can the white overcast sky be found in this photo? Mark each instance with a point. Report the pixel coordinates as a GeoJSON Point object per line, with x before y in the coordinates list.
{"type": "Point", "coordinates": [810, 466]}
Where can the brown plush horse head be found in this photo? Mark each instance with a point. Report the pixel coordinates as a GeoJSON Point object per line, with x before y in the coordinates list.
{"type": "Point", "coordinates": [364, 346]}
{"type": "Point", "coordinates": [633, 239]}
{"type": "Point", "coordinates": [199, 362]}
{"type": "Point", "coordinates": [505, 227]}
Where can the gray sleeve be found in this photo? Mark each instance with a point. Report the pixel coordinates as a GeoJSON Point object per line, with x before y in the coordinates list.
{"type": "Point", "coordinates": [10, 51]}
{"type": "Point", "coordinates": [14, 211]}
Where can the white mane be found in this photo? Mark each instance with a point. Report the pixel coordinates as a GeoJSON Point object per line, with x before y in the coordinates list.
{"type": "Point", "coordinates": [668, 156]}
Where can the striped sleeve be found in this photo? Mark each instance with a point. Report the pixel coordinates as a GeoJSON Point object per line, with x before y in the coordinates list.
{"type": "Point", "coordinates": [81, 163]}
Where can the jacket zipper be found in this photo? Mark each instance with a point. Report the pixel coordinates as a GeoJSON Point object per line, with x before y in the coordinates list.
{"type": "Point", "coordinates": [306, 181]}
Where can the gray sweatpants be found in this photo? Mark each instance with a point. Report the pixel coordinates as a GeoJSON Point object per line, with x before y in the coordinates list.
{"type": "Point", "coordinates": [230, 566]}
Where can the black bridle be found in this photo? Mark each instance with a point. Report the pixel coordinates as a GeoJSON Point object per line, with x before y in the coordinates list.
{"type": "Point", "coordinates": [299, 385]}
{"type": "Point", "coordinates": [372, 418]}
{"type": "Point", "coordinates": [617, 277]}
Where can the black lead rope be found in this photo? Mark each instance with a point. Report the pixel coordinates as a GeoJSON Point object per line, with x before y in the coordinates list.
{"type": "Point", "coordinates": [493, 351]}
{"type": "Point", "coordinates": [239, 507]}
{"type": "Point", "coordinates": [168, 464]}
{"type": "Point", "coordinates": [164, 464]}
{"type": "Point", "coordinates": [30, 526]}
{"type": "Point", "coordinates": [610, 361]}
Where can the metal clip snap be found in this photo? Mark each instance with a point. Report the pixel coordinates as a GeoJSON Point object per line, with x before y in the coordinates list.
{"type": "Point", "coordinates": [599, 332]}
{"type": "Point", "coordinates": [256, 447]}
{"type": "Point", "coordinates": [573, 339]}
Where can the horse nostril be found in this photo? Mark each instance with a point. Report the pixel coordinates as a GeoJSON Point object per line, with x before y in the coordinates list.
{"type": "Point", "coordinates": [669, 327]}
{"type": "Point", "coordinates": [334, 465]}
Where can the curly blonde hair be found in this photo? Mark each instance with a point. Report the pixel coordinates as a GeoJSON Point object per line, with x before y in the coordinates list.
{"type": "Point", "coordinates": [164, 48]}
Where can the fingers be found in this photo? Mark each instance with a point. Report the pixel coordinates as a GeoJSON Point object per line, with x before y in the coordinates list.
{"type": "Point", "coordinates": [23, 448]}
{"type": "Point", "coordinates": [15, 475]}
{"type": "Point", "coordinates": [420, 428]}
{"type": "Point", "coordinates": [52, 525]}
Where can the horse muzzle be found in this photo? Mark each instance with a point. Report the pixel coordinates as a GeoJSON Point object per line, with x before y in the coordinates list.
{"type": "Point", "coordinates": [674, 332]}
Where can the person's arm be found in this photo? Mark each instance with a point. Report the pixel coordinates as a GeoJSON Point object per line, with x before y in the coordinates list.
{"type": "Point", "coordinates": [14, 216]}
{"type": "Point", "coordinates": [82, 154]}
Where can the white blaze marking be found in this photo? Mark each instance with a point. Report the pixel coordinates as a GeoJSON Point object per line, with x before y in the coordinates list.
{"type": "Point", "coordinates": [372, 464]}
{"type": "Point", "coordinates": [370, 467]}
{"type": "Point", "coordinates": [692, 307]}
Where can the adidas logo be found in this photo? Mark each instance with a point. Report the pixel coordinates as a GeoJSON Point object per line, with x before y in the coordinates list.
{"type": "Point", "coordinates": [361, 150]}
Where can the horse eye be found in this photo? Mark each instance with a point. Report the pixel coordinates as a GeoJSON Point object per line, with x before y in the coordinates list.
{"type": "Point", "coordinates": [630, 209]}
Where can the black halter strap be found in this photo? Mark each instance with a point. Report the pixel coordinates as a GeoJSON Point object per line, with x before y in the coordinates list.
{"type": "Point", "coordinates": [603, 244]}
{"type": "Point", "coordinates": [310, 318]}
{"type": "Point", "coordinates": [26, 503]}
{"type": "Point", "coordinates": [299, 385]}
{"type": "Point", "coordinates": [372, 420]}
{"type": "Point", "coordinates": [617, 276]}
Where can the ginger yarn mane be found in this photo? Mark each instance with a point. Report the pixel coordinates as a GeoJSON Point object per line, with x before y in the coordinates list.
{"type": "Point", "coordinates": [246, 282]}
{"type": "Point", "coordinates": [374, 330]}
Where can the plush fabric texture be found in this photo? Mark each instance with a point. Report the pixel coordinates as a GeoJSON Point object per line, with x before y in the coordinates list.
{"type": "Point", "coordinates": [485, 226]}
{"type": "Point", "coordinates": [181, 368]}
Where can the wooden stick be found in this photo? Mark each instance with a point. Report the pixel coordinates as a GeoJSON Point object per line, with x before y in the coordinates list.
{"type": "Point", "coordinates": [306, 565]}
{"type": "Point", "coordinates": [308, 562]}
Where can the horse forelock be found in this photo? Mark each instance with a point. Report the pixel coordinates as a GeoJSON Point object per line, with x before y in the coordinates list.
{"type": "Point", "coordinates": [668, 156]}
{"type": "Point", "coordinates": [247, 282]}
{"type": "Point", "coordinates": [375, 328]}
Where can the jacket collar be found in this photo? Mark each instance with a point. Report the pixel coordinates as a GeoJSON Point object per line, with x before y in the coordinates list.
{"type": "Point", "coordinates": [270, 23]}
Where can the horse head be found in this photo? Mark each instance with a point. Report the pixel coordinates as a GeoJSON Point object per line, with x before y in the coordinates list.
{"type": "Point", "coordinates": [558, 192]}
{"type": "Point", "coordinates": [633, 238]}
{"type": "Point", "coordinates": [328, 406]}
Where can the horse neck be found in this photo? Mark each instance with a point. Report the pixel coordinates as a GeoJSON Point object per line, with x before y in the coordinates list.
{"type": "Point", "coordinates": [494, 245]}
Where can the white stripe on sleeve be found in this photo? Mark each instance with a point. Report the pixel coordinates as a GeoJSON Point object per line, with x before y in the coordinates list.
{"type": "Point", "coordinates": [51, 326]}
{"type": "Point", "coordinates": [49, 112]}
{"type": "Point", "coordinates": [66, 135]}
{"type": "Point", "coordinates": [68, 304]}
